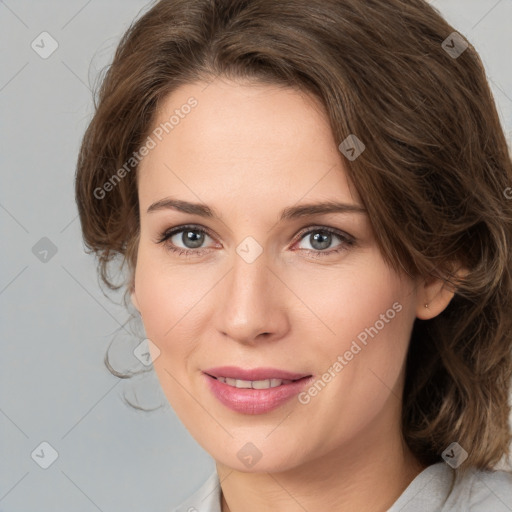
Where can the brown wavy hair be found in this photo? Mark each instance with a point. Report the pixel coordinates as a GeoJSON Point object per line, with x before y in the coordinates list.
{"type": "Point", "coordinates": [434, 175]}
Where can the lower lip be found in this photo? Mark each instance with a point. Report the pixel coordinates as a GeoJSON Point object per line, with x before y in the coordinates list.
{"type": "Point", "coordinates": [255, 401]}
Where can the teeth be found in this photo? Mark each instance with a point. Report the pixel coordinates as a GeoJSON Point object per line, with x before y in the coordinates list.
{"type": "Point", "coordinates": [264, 384]}
{"type": "Point", "coordinates": [254, 384]}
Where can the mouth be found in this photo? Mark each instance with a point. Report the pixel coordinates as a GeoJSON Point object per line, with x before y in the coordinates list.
{"type": "Point", "coordinates": [254, 391]}
{"type": "Point", "coordinates": [255, 384]}
{"type": "Point", "coordinates": [253, 375]}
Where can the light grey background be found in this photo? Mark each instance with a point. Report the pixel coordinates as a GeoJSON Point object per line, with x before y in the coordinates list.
{"type": "Point", "coordinates": [55, 321]}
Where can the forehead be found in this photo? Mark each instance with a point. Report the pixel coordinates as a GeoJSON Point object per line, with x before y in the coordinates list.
{"type": "Point", "coordinates": [252, 140]}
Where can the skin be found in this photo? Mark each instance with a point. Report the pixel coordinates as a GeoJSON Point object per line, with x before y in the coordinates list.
{"type": "Point", "coordinates": [248, 151]}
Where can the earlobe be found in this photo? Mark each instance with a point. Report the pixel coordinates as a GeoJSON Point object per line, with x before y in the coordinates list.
{"type": "Point", "coordinates": [433, 299]}
{"type": "Point", "coordinates": [435, 296]}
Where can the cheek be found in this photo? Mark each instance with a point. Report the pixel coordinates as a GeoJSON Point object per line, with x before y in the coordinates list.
{"type": "Point", "coordinates": [170, 304]}
{"type": "Point", "coordinates": [354, 301]}
{"type": "Point", "coordinates": [168, 300]}
{"type": "Point", "coordinates": [366, 315]}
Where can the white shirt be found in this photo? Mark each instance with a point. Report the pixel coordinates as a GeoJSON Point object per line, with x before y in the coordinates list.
{"type": "Point", "coordinates": [480, 491]}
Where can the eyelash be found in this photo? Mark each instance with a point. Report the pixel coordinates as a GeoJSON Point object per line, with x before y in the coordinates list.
{"type": "Point", "coordinates": [346, 240]}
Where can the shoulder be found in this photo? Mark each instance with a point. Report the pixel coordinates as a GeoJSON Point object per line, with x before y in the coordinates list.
{"type": "Point", "coordinates": [478, 491]}
{"type": "Point", "coordinates": [205, 499]}
{"type": "Point", "coordinates": [489, 490]}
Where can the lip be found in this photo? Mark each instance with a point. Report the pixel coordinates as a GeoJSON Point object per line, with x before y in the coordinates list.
{"type": "Point", "coordinates": [254, 401]}
{"type": "Point", "coordinates": [233, 372]}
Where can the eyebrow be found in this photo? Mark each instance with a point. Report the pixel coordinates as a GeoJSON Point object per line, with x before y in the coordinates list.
{"type": "Point", "coordinates": [291, 212]}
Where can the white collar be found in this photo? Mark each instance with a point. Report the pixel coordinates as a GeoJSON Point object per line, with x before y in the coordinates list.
{"type": "Point", "coordinates": [205, 499]}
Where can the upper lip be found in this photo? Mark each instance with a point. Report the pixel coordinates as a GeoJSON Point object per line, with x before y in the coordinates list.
{"type": "Point", "coordinates": [233, 372]}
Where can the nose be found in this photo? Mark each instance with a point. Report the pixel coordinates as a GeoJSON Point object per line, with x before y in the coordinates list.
{"type": "Point", "coordinates": [252, 303]}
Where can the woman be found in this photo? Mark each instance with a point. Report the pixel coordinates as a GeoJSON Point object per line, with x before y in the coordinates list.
{"type": "Point", "coordinates": [310, 197]}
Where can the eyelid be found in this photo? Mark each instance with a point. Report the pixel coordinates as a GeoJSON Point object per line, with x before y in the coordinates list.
{"type": "Point", "coordinates": [347, 242]}
{"type": "Point", "coordinates": [346, 238]}
{"type": "Point", "coordinates": [168, 233]}
{"type": "Point", "coordinates": [172, 231]}
{"type": "Point", "coordinates": [338, 232]}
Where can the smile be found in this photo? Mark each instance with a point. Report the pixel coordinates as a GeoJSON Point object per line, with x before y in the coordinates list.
{"type": "Point", "coordinates": [267, 390]}
{"type": "Point", "coordinates": [253, 384]}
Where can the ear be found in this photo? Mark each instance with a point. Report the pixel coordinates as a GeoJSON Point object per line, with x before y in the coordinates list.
{"type": "Point", "coordinates": [434, 295]}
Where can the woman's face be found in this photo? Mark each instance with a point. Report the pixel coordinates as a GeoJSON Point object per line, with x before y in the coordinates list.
{"type": "Point", "coordinates": [256, 281]}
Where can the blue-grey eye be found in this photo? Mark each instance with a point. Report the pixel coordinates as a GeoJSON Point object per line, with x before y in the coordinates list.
{"type": "Point", "coordinates": [320, 239]}
{"type": "Point", "coordinates": [191, 238]}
